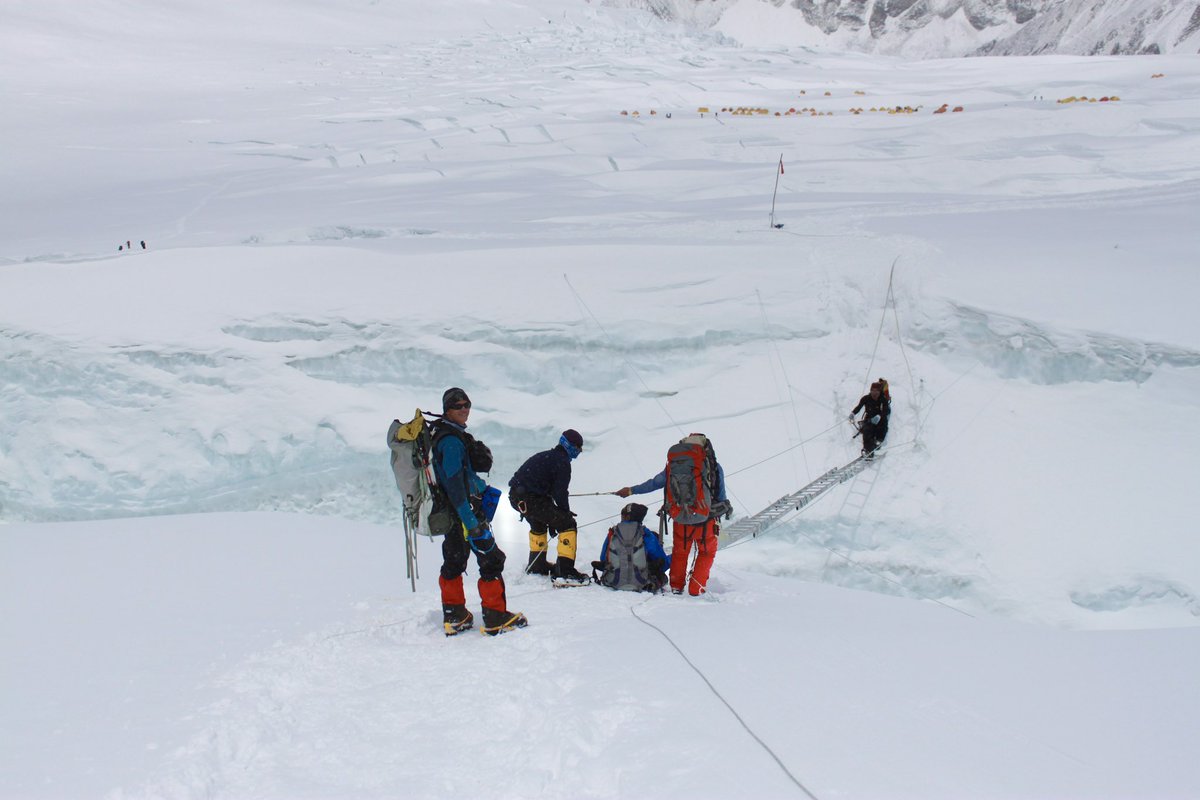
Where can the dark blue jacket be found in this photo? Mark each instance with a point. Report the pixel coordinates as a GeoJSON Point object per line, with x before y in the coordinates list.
{"type": "Point", "coordinates": [454, 474]}
{"type": "Point", "coordinates": [546, 473]}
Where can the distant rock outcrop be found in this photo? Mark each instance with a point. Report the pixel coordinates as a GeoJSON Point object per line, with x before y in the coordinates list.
{"type": "Point", "coordinates": [930, 28]}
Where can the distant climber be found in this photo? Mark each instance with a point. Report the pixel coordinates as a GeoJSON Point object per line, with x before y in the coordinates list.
{"type": "Point", "coordinates": [876, 406]}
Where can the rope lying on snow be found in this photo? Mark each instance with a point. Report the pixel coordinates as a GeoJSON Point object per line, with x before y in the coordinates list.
{"type": "Point", "coordinates": [718, 695]}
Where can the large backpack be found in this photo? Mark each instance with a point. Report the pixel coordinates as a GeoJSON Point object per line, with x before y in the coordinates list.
{"type": "Point", "coordinates": [691, 477]}
{"type": "Point", "coordinates": [411, 444]}
{"type": "Point", "coordinates": [625, 565]}
{"type": "Point", "coordinates": [884, 389]}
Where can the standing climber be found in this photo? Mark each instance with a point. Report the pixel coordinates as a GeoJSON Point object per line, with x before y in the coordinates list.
{"type": "Point", "coordinates": [694, 484]}
{"type": "Point", "coordinates": [458, 458]}
{"type": "Point", "coordinates": [539, 493]}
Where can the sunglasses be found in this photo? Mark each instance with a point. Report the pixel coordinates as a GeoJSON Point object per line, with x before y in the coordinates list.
{"type": "Point", "coordinates": [458, 407]}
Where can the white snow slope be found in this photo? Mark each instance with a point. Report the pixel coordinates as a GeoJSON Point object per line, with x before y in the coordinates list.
{"type": "Point", "coordinates": [349, 207]}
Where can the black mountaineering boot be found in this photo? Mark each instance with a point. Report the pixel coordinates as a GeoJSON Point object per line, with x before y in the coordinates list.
{"type": "Point", "coordinates": [456, 619]}
{"type": "Point", "coordinates": [537, 563]}
{"type": "Point", "coordinates": [565, 573]}
{"type": "Point", "coordinates": [497, 622]}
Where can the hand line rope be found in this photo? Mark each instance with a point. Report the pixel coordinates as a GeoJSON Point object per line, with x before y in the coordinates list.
{"type": "Point", "coordinates": [934, 399]}
{"type": "Point", "coordinates": [907, 590]}
{"type": "Point", "coordinates": [890, 300]}
{"type": "Point", "coordinates": [583, 352]}
{"type": "Point", "coordinates": [912, 392]}
{"type": "Point", "coordinates": [773, 350]}
{"type": "Point", "coordinates": [719, 696]}
{"type": "Point", "coordinates": [624, 360]}
{"type": "Point", "coordinates": [783, 452]}
{"type": "Point", "coordinates": [882, 319]}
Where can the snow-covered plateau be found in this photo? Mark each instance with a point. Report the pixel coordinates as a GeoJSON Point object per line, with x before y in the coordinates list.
{"type": "Point", "coordinates": [568, 209]}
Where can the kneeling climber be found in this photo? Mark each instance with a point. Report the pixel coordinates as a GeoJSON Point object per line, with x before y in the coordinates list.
{"type": "Point", "coordinates": [632, 558]}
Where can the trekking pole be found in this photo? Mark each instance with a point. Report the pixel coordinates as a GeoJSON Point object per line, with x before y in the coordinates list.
{"type": "Point", "coordinates": [415, 562]}
{"type": "Point", "coordinates": [410, 561]}
{"type": "Point", "coordinates": [591, 494]}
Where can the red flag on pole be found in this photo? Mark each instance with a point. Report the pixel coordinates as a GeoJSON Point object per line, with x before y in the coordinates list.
{"type": "Point", "coordinates": [781, 165]}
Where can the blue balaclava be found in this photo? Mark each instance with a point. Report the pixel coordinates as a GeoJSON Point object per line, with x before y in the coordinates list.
{"type": "Point", "coordinates": [572, 442]}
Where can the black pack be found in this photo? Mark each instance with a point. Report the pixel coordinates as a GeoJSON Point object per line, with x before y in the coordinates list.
{"type": "Point", "coordinates": [443, 519]}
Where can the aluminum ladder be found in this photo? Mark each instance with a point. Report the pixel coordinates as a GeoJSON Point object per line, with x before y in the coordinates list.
{"type": "Point", "coordinates": [756, 524]}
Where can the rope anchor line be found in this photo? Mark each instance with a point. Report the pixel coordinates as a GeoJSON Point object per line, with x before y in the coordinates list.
{"type": "Point", "coordinates": [726, 703]}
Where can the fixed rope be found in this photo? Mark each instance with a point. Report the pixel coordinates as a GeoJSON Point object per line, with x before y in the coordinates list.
{"type": "Point", "coordinates": [889, 301]}
{"type": "Point", "coordinates": [726, 703]}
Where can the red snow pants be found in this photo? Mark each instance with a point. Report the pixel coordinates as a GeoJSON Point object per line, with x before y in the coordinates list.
{"type": "Point", "coordinates": [684, 538]}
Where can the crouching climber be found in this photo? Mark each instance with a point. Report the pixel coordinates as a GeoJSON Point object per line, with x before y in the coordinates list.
{"type": "Point", "coordinates": [632, 558]}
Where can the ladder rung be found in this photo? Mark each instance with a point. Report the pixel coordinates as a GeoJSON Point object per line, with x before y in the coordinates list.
{"type": "Point", "coordinates": [797, 500]}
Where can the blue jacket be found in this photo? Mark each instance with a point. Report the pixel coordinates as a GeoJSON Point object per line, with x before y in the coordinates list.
{"type": "Point", "coordinates": [454, 474]}
{"type": "Point", "coordinates": [546, 473]}
{"type": "Point", "coordinates": [653, 548]}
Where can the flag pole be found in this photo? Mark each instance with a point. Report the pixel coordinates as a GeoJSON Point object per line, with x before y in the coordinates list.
{"type": "Point", "coordinates": [778, 172]}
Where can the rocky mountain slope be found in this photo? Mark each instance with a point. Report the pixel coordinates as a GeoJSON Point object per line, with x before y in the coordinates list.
{"type": "Point", "coordinates": [933, 28]}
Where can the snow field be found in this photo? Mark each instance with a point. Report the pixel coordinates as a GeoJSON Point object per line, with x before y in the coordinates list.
{"type": "Point", "coordinates": [347, 216]}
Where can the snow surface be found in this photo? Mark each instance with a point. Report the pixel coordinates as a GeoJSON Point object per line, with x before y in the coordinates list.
{"type": "Point", "coordinates": [350, 207]}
